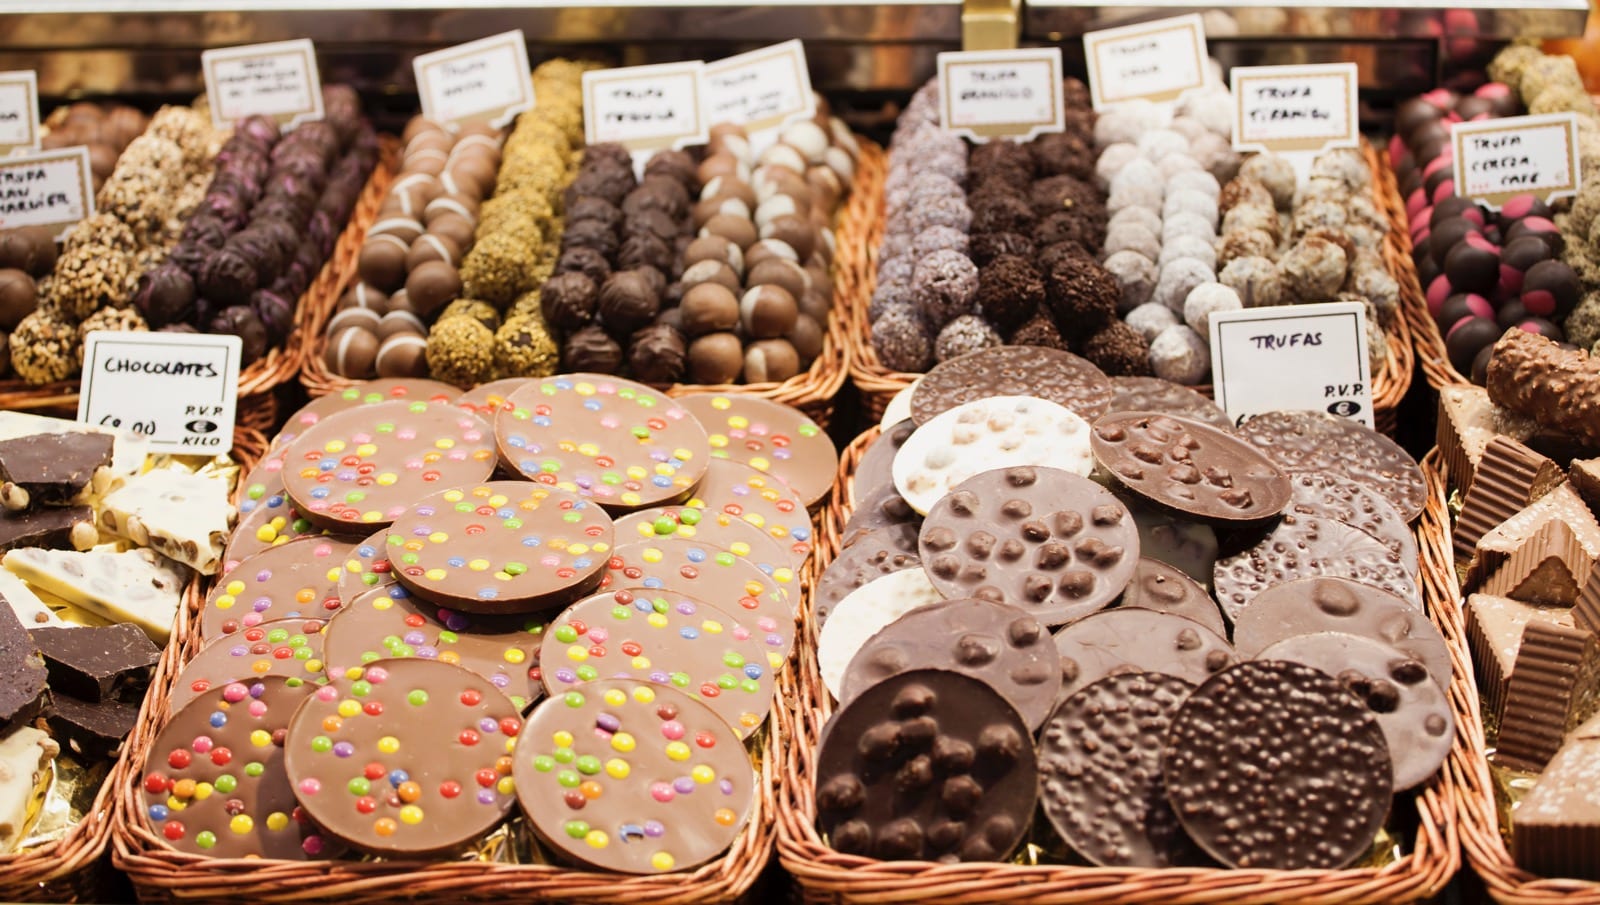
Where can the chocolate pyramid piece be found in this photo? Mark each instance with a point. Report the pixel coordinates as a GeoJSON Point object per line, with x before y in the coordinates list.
{"type": "Point", "coordinates": [1508, 477]}
{"type": "Point", "coordinates": [1555, 831]}
{"type": "Point", "coordinates": [1494, 633]}
{"type": "Point", "coordinates": [1552, 689]}
{"type": "Point", "coordinates": [1559, 505]}
{"type": "Point", "coordinates": [1549, 568]}
{"type": "Point", "coordinates": [1467, 422]}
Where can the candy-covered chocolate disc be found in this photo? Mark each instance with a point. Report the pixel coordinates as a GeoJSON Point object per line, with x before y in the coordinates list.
{"type": "Point", "coordinates": [501, 547]}
{"type": "Point", "coordinates": [620, 443]}
{"type": "Point", "coordinates": [291, 648]}
{"type": "Point", "coordinates": [1189, 466]}
{"type": "Point", "coordinates": [359, 469]}
{"type": "Point", "coordinates": [742, 492]}
{"type": "Point", "coordinates": [717, 528]}
{"type": "Point", "coordinates": [371, 392]}
{"type": "Point", "coordinates": [264, 482]}
{"type": "Point", "coordinates": [770, 437]}
{"type": "Point", "coordinates": [297, 579]}
{"type": "Point", "coordinates": [273, 521]}
{"type": "Point", "coordinates": [411, 759]}
{"type": "Point", "coordinates": [489, 399]}
{"type": "Point", "coordinates": [633, 777]}
{"type": "Point", "coordinates": [663, 637]}
{"type": "Point", "coordinates": [213, 781]}
{"type": "Point", "coordinates": [391, 622]}
{"type": "Point", "coordinates": [367, 567]}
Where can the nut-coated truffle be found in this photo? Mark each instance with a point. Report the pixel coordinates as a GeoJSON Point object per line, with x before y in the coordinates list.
{"type": "Point", "coordinates": [461, 351]}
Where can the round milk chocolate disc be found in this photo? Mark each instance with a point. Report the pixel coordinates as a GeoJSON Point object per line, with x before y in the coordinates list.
{"type": "Point", "coordinates": [739, 491]}
{"type": "Point", "coordinates": [863, 613]}
{"type": "Point", "coordinates": [1277, 766]}
{"type": "Point", "coordinates": [1357, 505]}
{"type": "Point", "coordinates": [1412, 710]}
{"type": "Point", "coordinates": [490, 399]}
{"type": "Point", "coordinates": [1341, 605]}
{"type": "Point", "coordinates": [621, 443]}
{"type": "Point", "coordinates": [998, 644]}
{"type": "Point", "coordinates": [293, 580]}
{"type": "Point", "coordinates": [391, 622]}
{"type": "Point", "coordinates": [876, 467]}
{"type": "Point", "coordinates": [263, 483]}
{"type": "Point", "coordinates": [1100, 773]}
{"type": "Point", "coordinates": [367, 567]}
{"type": "Point", "coordinates": [271, 522]}
{"type": "Point", "coordinates": [1174, 538]}
{"type": "Point", "coordinates": [359, 469]}
{"type": "Point", "coordinates": [1305, 547]}
{"type": "Point", "coordinates": [928, 765]}
{"type": "Point", "coordinates": [1321, 443]}
{"type": "Point", "coordinates": [411, 759]}
{"type": "Point", "coordinates": [213, 781]}
{"type": "Point", "coordinates": [1166, 589]}
{"type": "Point", "coordinates": [501, 547]}
{"type": "Point", "coordinates": [872, 555]}
{"type": "Point", "coordinates": [371, 392]}
{"type": "Point", "coordinates": [633, 777]}
{"type": "Point", "coordinates": [994, 432]}
{"type": "Point", "coordinates": [714, 527]}
{"type": "Point", "coordinates": [1189, 466]}
{"type": "Point", "coordinates": [1135, 640]}
{"type": "Point", "coordinates": [1056, 544]}
{"type": "Point", "coordinates": [1152, 394]}
{"type": "Point", "coordinates": [1052, 374]}
{"type": "Point", "coordinates": [770, 437]}
{"type": "Point", "coordinates": [667, 638]}
{"type": "Point", "coordinates": [289, 648]}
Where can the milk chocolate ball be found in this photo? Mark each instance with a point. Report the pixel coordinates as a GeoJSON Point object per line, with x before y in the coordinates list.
{"type": "Point", "coordinates": [714, 248]}
{"type": "Point", "coordinates": [767, 312]}
{"type": "Point", "coordinates": [403, 355]}
{"type": "Point", "coordinates": [773, 360]}
{"type": "Point", "coordinates": [796, 232]}
{"type": "Point", "coordinates": [709, 308]}
{"type": "Point", "coordinates": [382, 263]}
{"type": "Point", "coordinates": [806, 337]}
{"type": "Point", "coordinates": [788, 275]}
{"type": "Point", "coordinates": [716, 358]}
{"type": "Point", "coordinates": [432, 286]}
{"type": "Point", "coordinates": [711, 272]}
{"type": "Point", "coordinates": [18, 297]}
{"type": "Point", "coordinates": [738, 230]}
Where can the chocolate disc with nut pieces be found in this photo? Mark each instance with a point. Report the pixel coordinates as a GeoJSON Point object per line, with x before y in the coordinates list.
{"type": "Point", "coordinates": [214, 783]}
{"type": "Point", "coordinates": [770, 437]}
{"type": "Point", "coordinates": [360, 469]}
{"type": "Point", "coordinates": [411, 759]}
{"type": "Point", "coordinates": [1277, 766]}
{"type": "Point", "coordinates": [864, 613]}
{"type": "Point", "coordinates": [1188, 466]}
{"type": "Point", "coordinates": [1321, 443]}
{"type": "Point", "coordinates": [1060, 377]}
{"type": "Point", "coordinates": [1055, 544]}
{"type": "Point", "coordinates": [740, 491]}
{"type": "Point", "coordinates": [1166, 589]}
{"type": "Point", "coordinates": [620, 443]}
{"type": "Point", "coordinates": [662, 637]}
{"type": "Point", "coordinates": [714, 527]}
{"type": "Point", "coordinates": [1100, 773]}
{"type": "Point", "coordinates": [371, 392]}
{"type": "Point", "coordinates": [876, 467]}
{"type": "Point", "coordinates": [928, 765]}
{"type": "Point", "coordinates": [502, 547]}
{"type": "Point", "coordinates": [1341, 605]}
{"type": "Point", "coordinates": [1152, 394]}
{"type": "Point", "coordinates": [1411, 708]}
{"type": "Point", "coordinates": [1135, 640]}
{"type": "Point", "coordinates": [291, 648]}
{"type": "Point", "coordinates": [273, 521]}
{"type": "Point", "coordinates": [871, 556]}
{"type": "Point", "coordinates": [633, 777]}
{"type": "Point", "coordinates": [995, 643]}
{"type": "Point", "coordinates": [1304, 547]}
{"type": "Point", "coordinates": [1357, 505]}
{"type": "Point", "coordinates": [883, 508]}
{"type": "Point", "coordinates": [297, 580]}
{"type": "Point", "coordinates": [390, 622]}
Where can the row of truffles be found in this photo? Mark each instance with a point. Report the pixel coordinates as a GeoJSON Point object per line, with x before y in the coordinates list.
{"type": "Point", "coordinates": [140, 210]}
{"type": "Point", "coordinates": [1482, 271]}
{"type": "Point", "coordinates": [105, 129]}
{"type": "Point", "coordinates": [27, 260]}
{"type": "Point", "coordinates": [1551, 84]}
{"type": "Point", "coordinates": [1163, 172]}
{"type": "Point", "coordinates": [408, 264]}
{"type": "Point", "coordinates": [271, 217]}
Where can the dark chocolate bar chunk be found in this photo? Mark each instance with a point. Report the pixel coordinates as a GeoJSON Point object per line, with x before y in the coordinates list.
{"type": "Point", "coordinates": [90, 728]}
{"type": "Point", "coordinates": [53, 468]}
{"type": "Point", "coordinates": [98, 663]}
{"type": "Point", "coordinates": [22, 673]}
{"type": "Point", "coordinates": [48, 528]}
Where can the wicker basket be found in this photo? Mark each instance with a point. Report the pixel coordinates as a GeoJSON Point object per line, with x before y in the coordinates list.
{"type": "Point", "coordinates": [878, 384]}
{"type": "Point", "coordinates": [829, 877]}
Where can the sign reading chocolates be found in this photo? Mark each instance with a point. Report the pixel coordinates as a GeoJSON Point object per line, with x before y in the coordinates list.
{"type": "Point", "coordinates": [987, 94]}
{"type": "Point", "coordinates": [484, 82]}
{"type": "Point", "coordinates": [1157, 61]}
{"type": "Point", "coordinates": [762, 89]}
{"type": "Point", "coordinates": [1295, 108]}
{"type": "Point", "coordinates": [180, 390]}
{"type": "Point", "coordinates": [1294, 358]}
{"type": "Point", "coordinates": [1498, 159]}
{"type": "Point", "coordinates": [646, 108]}
{"type": "Point", "coordinates": [53, 189]}
{"type": "Point", "coordinates": [19, 112]}
{"type": "Point", "coordinates": [279, 80]}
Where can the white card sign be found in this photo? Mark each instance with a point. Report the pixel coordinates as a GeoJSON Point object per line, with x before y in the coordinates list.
{"type": "Point", "coordinates": [988, 94]}
{"type": "Point", "coordinates": [646, 108]}
{"type": "Point", "coordinates": [53, 189]}
{"type": "Point", "coordinates": [483, 82]}
{"type": "Point", "coordinates": [1498, 159]}
{"type": "Point", "coordinates": [1156, 61]}
{"type": "Point", "coordinates": [1295, 108]}
{"type": "Point", "coordinates": [19, 112]}
{"type": "Point", "coordinates": [179, 390]}
{"type": "Point", "coordinates": [1294, 357]}
{"type": "Point", "coordinates": [762, 89]}
{"type": "Point", "coordinates": [279, 80]}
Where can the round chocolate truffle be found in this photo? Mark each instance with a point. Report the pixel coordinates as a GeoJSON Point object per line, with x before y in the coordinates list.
{"type": "Point", "coordinates": [18, 297]}
{"type": "Point", "coordinates": [1119, 350]}
{"type": "Point", "coordinates": [657, 354]}
{"type": "Point", "coordinates": [591, 349]}
{"type": "Point", "coordinates": [382, 263]}
{"type": "Point", "coordinates": [523, 347]}
{"type": "Point", "coordinates": [569, 300]}
{"type": "Point", "coordinates": [1010, 291]}
{"type": "Point", "coordinates": [901, 340]}
{"type": "Point", "coordinates": [770, 361]}
{"type": "Point", "coordinates": [402, 355]}
{"type": "Point", "coordinates": [1082, 295]}
{"type": "Point", "coordinates": [966, 334]}
{"type": "Point", "coordinates": [461, 351]}
{"type": "Point", "coordinates": [767, 311]}
{"type": "Point", "coordinates": [943, 287]}
{"type": "Point", "coordinates": [716, 358]}
{"type": "Point", "coordinates": [709, 308]}
{"type": "Point", "coordinates": [241, 321]}
{"type": "Point", "coordinates": [431, 286]}
{"type": "Point", "coordinates": [628, 301]}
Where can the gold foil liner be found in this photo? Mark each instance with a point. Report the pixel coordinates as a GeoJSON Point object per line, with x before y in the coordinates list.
{"type": "Point", "coordinates": [64, 795]}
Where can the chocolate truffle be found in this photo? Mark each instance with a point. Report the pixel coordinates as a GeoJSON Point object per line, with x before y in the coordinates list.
{"type": "Point", "coordinates": [1315, 269]}
{"type": "Point", "coordinates": [18, 297]}
{"type": "Point", "coordinates": [716, 358]}
{"type": "Point", "coordinates": [943, 287]}
{"type": "Point", "coordinates": [481, 311]}
{"type": "Point", "coordinates": [523, 347]}
{"type": "Point", "coordinates": [1082, 295]}
{"type": "Point", "coordinates": [1119, 350]}
{"type": "Point", "coordinates": [241, 321]}
{"type": "Point", "coordinates": [709, 308]}
{"type": "Point", "coordinates": [1137, 276]}
{"type": "Point", "coordinates": [569, 300]}
{"type": "Point", "coordinates": [967, 333]}
{"type": "Point", "coordinates": [987, 247]}
{"type": "Point", "coordinates": [1150, 319]}
{"type": "Point", "coordinates": [45, 348]}
{"type": "Point", "coordinates": [30, 249]}
{"type": "Point", "coordinates": [628, 302]}
{"type": "Point", "coordinates": [591, 349]}
{"type": "Point", "coordinates": [586, 261]}
{"type": "Point", "coordinates": [901, 340]}
{"type": "Point", "coordinates": [807, 337]}
{"type": "Point", "coordinates": [402, 355]}
{"type": "Point", "coordinates": [1040, 330]}
{"type": "Point", "coordinates": [767, 311]}
{"type": "Point", "coordinates": [770, 361]}
{"type": "Point", "coordinates": [382, 263]}
{"type": "Point", "coordinates": [352, 353]}
{"type": "Point", "coordinates": [1257, 280]}
{"type": "Point", "coordinates": [656, 354]}
{"type": "Point", "coordinates": [461, 351]}
{"type": "Point", "coordinates": [1010, 291]}
{"type": "Point", "coordinates": [432, 286]}
{"type": "Point", "coordinates": [1180, 355]}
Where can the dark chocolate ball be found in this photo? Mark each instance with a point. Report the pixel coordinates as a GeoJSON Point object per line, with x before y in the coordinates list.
{"type": "Point", "coordinates": [1467, 338]}
{"type": "Point", "coordinates": [1519, 255]}
{"type": "Point", "coordinates": [227, 277]}
{"type": "Point", "coordinates": [1119, 350]}
{"type": "Point", "coordinates": [1002, 214]}
{"type": "Point", "coordinates": [569, 300]}
{"type": "Point", "coordinates": [1520, 207]}
{"type": "Point", "coordinates": [241, 321]}
{"type": "Point", "coordinates": [590, 234]}
{"type": "Point", "coordinates": [1550, 289]}
{"type": "Point", "coordinates": [644, 250]}
{"type": "Point", "coordinates": [1449, 233]}
{"type": "Point", "coordinates": [1081, 295]}
{"type": "Point", "coordinates": [1541, 227]}
{"type": "Point", "coordinates": [276, 314]}
{"type": "Point", "coordinates": [628, 302]}
{"type": "Point", "coordinates": [1010, 291]}
{"type": "Point", "coordinates": [1456, 207]}
{"type": "Point", "coordinates": [1473, 265]}
{"type": "Point", "coordinates": [986, 248]}
{"type": "Point", "coordinates": [28, 248]}
{"type": "Point", "coordinates": [1460, 306]}
{"type": "Point", "coordinates": [587, 261]}
{"type": "Point", "coordinates": [592, 350]}
{"type": "Point", "coordinates": [18, 297]}
{"type": "Point", "coordinates": [656, 354]}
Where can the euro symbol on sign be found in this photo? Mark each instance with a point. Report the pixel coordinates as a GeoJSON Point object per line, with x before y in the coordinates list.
{"type": "Point", "coordinates": [1344, 408]}
{"type": "Point", "coordinates": [200, 426]}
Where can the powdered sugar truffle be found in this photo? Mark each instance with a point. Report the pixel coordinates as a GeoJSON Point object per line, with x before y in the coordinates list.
{"type": "Point", "coordinates": [1151, 319]}
{"type": "Point", "coordinates": [1137, 275]}
{"type": "Point", "coordinates": [1180, 355]}
{"type": "Point", "coordinates": [1205, 300]}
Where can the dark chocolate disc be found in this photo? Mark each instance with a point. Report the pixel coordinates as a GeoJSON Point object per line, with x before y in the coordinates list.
{"type": "Point", "coordinates": [1135, 640]}
{"type": "Point", "coordinates": [768, 436]}
{"type": "Point", "coordinates": [880, 508]}
{"type": "Point", "coordinates": [1357, 505]}
{"type": "Point", "coordinates": [291, 648]}
{"type": "Point", "coordinates": [876, 467]}
{"type": "Point", "coordinates": [928, 765]}
{"type": "Point", "coordinates": [1166, 589]}
{"type": "Point", "coordinates": [633, 777]}
{"type": "Point", "coordinates": [1301, 546]}
{"type": "Point", "coordinates": [1052, 374]}
{"type": "Point", "coordinates": [371, 392]}
{"type": "Point", "coordinates": [292, 580]}
{"type": "Point", "coordinates": [1278, 766]}
{"type": "Point", "coordinates": [1152, 394]}
{"type": "Point", "coordinates": [412, 758]}
{"type": "Point", "coordinates": [1412, 710]}
{"type": "Point", "coordinates": [1188, 466]}
{"type": "Point", "coordinates": [1321, 443]}
{"type": "Point", "coordinates": [1055, 544]}
{"type": "Point", "coordinates": [271, 522]}
{"type": "Point", "coordinates": [1100, 773]}
{"type": "Point", "coordinates": [992, 642]}
{"type": "Point", "coordinates": [871, 555]}
{"type": "Point", "coordinates": [741, 491]}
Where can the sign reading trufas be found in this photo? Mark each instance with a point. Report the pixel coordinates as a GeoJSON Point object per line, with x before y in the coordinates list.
{"type": "Point", "coordinates": [646, 108]}
{"type": "Point", "coordinates": [53, 189]}
{"type": "Point", "coordinates": [1156, 61]}
{"type": "Point", "coordinates": [1498, 159]}
{"type": "Point", "coordinates": [19, 112]}
{"type": "Point", "coordinates": [986, 94]}
{"type": "Point", "coordinates": [762, 89]}
{"type": "Point", "coordinates": [180, 390]}
{"type": "Point", "coordinates": [484, 82]}
{"type": "Point", "coordinates": [1295, 108]}
{"type": "Point", "coordinates": [1295, 357]}
{"type": "Point", "coordinates": [279, 80]}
